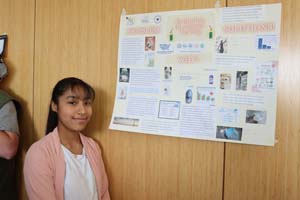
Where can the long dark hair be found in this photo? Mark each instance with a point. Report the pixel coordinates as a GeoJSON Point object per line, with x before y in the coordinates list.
{"type": "Point", "coordinates": [60, 88]}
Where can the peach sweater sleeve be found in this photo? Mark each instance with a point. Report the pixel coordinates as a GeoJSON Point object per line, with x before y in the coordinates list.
{"type": "Point", "coordinates": [38, 174]}
{"type": "Point", "coordinates": [104, 181]}
{"type": "Point", "coordinates": [95, 158]}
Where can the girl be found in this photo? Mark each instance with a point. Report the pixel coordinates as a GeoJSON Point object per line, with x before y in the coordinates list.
{"type": "Point", "coordinates": [66, 164]}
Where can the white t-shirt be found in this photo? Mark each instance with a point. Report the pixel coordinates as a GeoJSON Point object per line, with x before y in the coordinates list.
{"type": "Point", "coordinates": [80, 182]}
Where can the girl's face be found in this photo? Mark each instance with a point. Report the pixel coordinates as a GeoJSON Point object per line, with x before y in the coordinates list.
{"type": "Point", "coordinates": [73, 110]}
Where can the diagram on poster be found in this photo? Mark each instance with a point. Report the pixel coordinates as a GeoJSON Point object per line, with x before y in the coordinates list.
{"type": "Point", "coordinates": [205, 74]}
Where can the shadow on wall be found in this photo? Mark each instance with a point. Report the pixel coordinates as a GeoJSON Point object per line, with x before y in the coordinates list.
{"type": "Point", "coordinates": [98, 126]}
{"type": "Point", "coordinates": [98, 123]}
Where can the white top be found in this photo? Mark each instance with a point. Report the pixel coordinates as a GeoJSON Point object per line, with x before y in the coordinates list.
{"type": "Point", "coordinates": [80, 181]}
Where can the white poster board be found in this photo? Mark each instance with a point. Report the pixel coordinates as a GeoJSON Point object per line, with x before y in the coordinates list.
{"type": "Point", "coordinates": [205, 74]}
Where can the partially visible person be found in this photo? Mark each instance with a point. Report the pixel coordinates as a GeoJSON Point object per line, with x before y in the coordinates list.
{"type": "Point", "coordinates": [65, 164]}
{"type": "Point", "coordinates": [9, 141]}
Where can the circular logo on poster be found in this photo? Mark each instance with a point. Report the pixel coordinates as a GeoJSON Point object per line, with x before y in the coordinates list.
{"type": "Point", "coordinates": [157, 19]}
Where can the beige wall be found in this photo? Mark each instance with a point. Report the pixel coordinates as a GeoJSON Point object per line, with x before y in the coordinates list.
{"type": "Point", "coordinates": [17, 20]}
{"type": "Point", "coordinates": [52, 39]}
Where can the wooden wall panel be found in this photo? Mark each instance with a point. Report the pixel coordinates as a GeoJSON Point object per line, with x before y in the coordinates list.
{"type": "Point", "coordinates": [80, 38]}
{"type": "Point", "coordinates": [68, 43]}
{"type": "Point", "coordinates": [272, 173]}
{"type": "Point", "coordinates": [17, 20]}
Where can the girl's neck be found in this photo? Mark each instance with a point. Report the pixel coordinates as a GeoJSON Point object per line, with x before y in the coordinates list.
{"type": "Point", "coordinates": [71, 140]}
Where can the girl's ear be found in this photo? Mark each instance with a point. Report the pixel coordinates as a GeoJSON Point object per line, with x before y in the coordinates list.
{"type": "Point", "coordinates": [53, 106]}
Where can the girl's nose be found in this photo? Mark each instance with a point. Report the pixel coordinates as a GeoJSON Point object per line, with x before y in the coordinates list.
{"type": "Point", "coordinates": [81, 109]}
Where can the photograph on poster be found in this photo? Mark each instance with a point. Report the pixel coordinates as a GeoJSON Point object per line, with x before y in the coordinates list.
{"type": "Point", "coordinates": [166, 90]}
{"type": "Point", "coordinates": [150, 43]}
{"type": "Point", "coordinates": [241, 80]}
{"type": "Point", "coordinates": [167, 73]}
{"type": "Point", "coordinates": [124, 74]}
{"type": "Point", "coordinates": [225, 81]}
{"type": "Point", "coordinates": [230, 133]}
{"type": "Point", "coordinates": [149, 59]}
{"type": "Point", "coordinates": [188, 96]}
{"type": "Point", "coordinates": [211, 79]}
{"type": "Point", "coordinates": [122, 92]}
{"type": "Point", "coordinates": [221, 45]}
{"type": "Point", "coordinates": [256, 117]}
{"type": "Point", "coordinates": [126, 121]}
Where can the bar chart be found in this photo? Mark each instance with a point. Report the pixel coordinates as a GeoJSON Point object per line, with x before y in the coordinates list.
{"type": "Point", "coordinates": [267, 42]}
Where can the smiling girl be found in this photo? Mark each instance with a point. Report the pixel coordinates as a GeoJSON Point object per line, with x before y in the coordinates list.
{"type": "Point", "coordinates": [65, 164]}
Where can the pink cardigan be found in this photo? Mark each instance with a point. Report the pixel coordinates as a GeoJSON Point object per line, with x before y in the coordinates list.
{"type": "Point", "coordinates": [44, 168]}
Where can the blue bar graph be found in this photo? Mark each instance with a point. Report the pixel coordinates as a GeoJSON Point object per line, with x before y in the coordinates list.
{"type": "Point", "coordinates": [260, 40]}
{"type": "Point", "coordinates": [261, 44]}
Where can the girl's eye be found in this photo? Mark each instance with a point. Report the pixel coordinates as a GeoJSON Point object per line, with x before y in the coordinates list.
{"type": "Point", "coordinates": [72, 102]}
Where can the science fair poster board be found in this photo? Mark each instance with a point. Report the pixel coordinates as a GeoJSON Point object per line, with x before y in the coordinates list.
{"type": "Point", "coordinates": [205, 74]}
